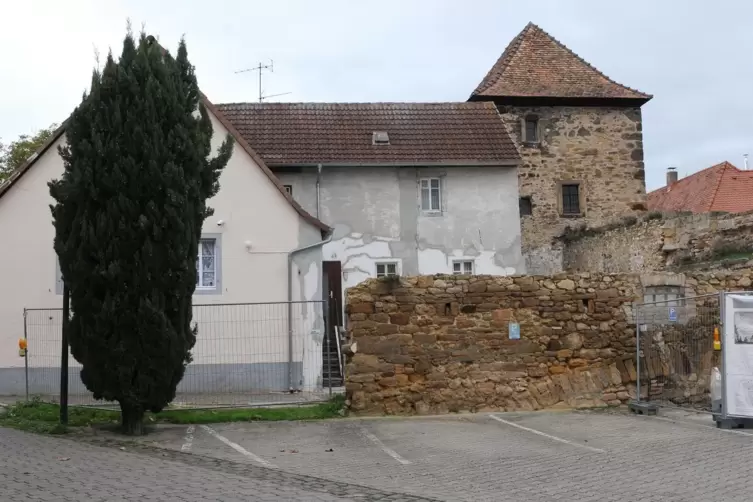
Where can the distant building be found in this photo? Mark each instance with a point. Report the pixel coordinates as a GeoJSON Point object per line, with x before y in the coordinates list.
{"type": "Point", "coordinates": [722, 187]}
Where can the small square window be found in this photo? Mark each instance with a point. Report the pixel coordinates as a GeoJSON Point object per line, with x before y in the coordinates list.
{"type": "Point", "coordinates": [386, 269]}
{"type": "Point", "coordinates": [531, 129]}
{"type": "Point", "coordinates": [288, 188]}
{"type": "Point", "coordinates": [571, 199]}
{"type": "Point", "coordinates": [526, 206]}
{"type": "Point", "coordinates": [431, 195]}
{"type": "Point", "coordinates": [462, 267]}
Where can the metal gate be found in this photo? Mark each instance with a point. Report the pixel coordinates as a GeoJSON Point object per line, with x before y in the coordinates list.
{"type": "Point", "coordinates": [675, 350]}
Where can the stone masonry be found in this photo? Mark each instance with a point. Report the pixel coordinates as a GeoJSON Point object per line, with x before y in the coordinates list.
{"type": "Point", "coordinates": [657, 242]}
{"type": "Point", "coordinates": [438, 344]}
{"type": "Point", "coordinates": [601, 148]}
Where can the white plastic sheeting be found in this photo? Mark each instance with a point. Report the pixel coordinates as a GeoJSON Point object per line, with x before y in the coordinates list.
{"type": "Point", "coordinates": [738, 355]}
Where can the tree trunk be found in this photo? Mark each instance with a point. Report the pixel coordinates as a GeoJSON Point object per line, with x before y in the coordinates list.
{"type": "Point", "coordinates": [131, 420]}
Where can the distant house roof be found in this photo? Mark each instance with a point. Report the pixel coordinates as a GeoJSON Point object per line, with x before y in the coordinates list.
{"type": "Point", "coordinates": [536, 65]}
{"type": "Point", "coordinates": [722, 187]}
{"type": "Point", "coordinates": [6, 185]}
{"type": "Point", "coordinates": [344, 133]}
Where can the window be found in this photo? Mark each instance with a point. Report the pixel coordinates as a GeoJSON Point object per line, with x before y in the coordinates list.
{"type": "Point", "coordinates": [209, 265]}
{"type": "Point", "coordinates": [571, 199]}
{"type": "Point", "coordinates": [526, 206]}
{"type": "Point", "coordinates": [431, 195]}
{"type": "Point", "coordinates": [288, 188]}
{"type": "Point", "coordinates": [531, 129]}
{"type": "Point", "coordinates": [380, 138]}
{"type": "Point", "coordinates": [673, 296]}
{"type": "Point", "coordinates": [462, 267]}
{"type": "Point", "coordinates": [386, 269]}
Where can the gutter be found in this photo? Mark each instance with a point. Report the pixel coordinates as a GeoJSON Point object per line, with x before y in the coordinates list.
{"type": "Point", "coordinates": [318, 178]}
{"type": "Point", "coordinates": [290, 304]}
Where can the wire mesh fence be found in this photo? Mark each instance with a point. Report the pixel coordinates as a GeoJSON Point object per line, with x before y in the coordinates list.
{"type": "Point", "coordinates": [252, 354]}
{"type": "Point", "coordinates": [675, 340]}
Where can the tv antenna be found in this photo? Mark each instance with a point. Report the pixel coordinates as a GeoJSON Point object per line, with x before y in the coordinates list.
{"type": "Point", "coordinates": [261, 67]}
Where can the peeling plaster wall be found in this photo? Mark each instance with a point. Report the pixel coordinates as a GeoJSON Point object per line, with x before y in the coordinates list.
{"type": "Point", "coordinates": [376, 217]}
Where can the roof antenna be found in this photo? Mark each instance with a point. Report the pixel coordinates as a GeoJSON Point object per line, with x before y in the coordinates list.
{"type": "Point", "coordinates": [260, 68]}
{"type": "Point", "coordinates": [745, 160]}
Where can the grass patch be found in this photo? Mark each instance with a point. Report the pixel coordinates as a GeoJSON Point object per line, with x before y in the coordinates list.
{"type": "Point", "coordinates": [36, 416]}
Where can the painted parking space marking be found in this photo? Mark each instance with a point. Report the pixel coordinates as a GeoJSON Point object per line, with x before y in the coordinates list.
{"type": "Point", "coordinates": [548, 436]}
{"type": "Point", "coordinates": [238, 447]}
{"type": "Point", "coordinates": [687, 422]}
{"type": "Point", "coordinates": [389, 451]}
{"type": "Point", "coordinates": [188, 439]}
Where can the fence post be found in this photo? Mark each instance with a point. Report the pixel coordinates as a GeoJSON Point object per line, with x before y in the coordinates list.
{"type": "Point", "coordinates": [26, 357]}
{"type": "Point", "coordinates": [327, 329]}
{"type": "Point", "coordinates": [64, 358]}
{"type": "Point", "coordinates": [638, 353]}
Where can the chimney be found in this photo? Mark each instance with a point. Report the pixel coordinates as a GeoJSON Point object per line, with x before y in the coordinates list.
{"type": "Point", "coordinates": [671, 176]}
{"type": "Point", "coordinates": [745, 161]}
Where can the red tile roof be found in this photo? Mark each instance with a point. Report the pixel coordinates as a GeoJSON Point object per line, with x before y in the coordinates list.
{"type": "Point", "coordinates": [535, 64]}
{"type": "Point", "coordinates": [6, 185]}
{"type": "Point", "coordinates": [722, 187]}
{"type": "Point", "coordinates": [342, 133]}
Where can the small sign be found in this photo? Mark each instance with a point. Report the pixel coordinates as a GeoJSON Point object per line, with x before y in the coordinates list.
{"type": "Point", "coordinates": [514, 331]}
{"type": "Point", "coordinates": [672, 314]}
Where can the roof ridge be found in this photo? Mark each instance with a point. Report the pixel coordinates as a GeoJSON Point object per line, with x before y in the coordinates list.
{"type": "Point", "coordinates": [589, 64]}
{"type": "Point", "coordinates": [469, 104]}
{"type": "Point", "coordinates": [691, 176]}
{"type": "Point", "coordinates": [718, 184]}
{"type": "Point", "coordinates": [504, 58]}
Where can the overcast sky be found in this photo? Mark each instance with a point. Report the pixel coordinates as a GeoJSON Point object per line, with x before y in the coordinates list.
{"type": "Point", "coordinates": [695, 57]}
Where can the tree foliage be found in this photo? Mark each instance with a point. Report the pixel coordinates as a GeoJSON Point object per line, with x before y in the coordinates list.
{"type": "Point", "coordinates": [128, 217]}
{"type": "Point", "coordinates": [14, 154]}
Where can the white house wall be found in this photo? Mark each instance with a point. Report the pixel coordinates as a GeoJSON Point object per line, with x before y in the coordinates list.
{"type": "Point", "coordinates": [257, 229]}
{"type": "Point", "coordinates": [376, 217]}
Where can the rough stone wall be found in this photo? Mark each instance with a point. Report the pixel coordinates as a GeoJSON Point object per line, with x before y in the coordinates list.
{"type": "Point", "coordinates": [601, 148]}
{"type": "Point", "coordinates": [656, 242]}
{"type": "Point", "coordinates": [438, 344]}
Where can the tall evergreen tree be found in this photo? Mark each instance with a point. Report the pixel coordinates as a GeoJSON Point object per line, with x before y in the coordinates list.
{"type": "Point", "coordinates": [128, 217]}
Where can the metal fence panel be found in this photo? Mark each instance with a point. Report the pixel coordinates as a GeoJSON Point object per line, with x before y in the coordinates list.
{"type": "Point", "coordinates": [242, 356]}
{"type": "Point", "coordinates": [675, 340]}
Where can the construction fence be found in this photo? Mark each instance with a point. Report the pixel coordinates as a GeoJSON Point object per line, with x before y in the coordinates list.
{"type": "Point", "coordinates": [250, 354]}
{"type": "Point", "coordinates": [675, 349]}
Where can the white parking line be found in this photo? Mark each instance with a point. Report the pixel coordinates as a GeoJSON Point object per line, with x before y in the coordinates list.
{"type": "Point", "coordinates": [549, 436]}
{"type": "Point", "coordinates": [389, 451]}
{"type": "Point", "coordinates": [238, 447]}
{"type": "Point", "coordinates": [688, 422]}
{"type": "Point", "coordinates": [188, 439]}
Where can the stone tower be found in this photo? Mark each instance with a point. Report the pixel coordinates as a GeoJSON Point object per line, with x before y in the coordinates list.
{"type": "Point", "coordinates": [580, 138]}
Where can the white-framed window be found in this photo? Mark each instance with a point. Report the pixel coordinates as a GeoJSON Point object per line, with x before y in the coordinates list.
{"type": "Point", "coordinates": [431, 195]}
{"type": "Point", "coordinates": [206, 264]}
{"type": "Point", "coordinates": [288, 188]}
{"type": "Point", "coordinates": [387, 269]}
{"type": "Point", "coordinates": [462, 267]}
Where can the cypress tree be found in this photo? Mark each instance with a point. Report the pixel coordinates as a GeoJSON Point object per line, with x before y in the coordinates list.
{"type": "Point", "coordinates": [128, 216]}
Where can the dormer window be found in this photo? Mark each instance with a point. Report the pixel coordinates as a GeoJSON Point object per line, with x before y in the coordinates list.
{"type": "Point", "coordinates": [380, 138]}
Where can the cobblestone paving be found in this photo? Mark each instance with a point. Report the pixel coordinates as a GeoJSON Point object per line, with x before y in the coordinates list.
{"type": "Point", "coordinates": [39, 468]}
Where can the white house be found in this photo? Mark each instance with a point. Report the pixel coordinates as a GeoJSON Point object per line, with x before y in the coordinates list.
{"type": "Point", "coordinates": [409, 188]}
{"type": "Point", "coordinates": [260, 246]}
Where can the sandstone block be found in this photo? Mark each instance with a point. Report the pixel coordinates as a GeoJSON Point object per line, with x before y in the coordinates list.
{"type": "Point", "coordinates": [400, 319]}
{"type": "Point", "coordinates": [365, 308]}
{"type": "Point", "coordinates": [566, 284]}
{"type": "Point", "coordinates": [572, 341]}
{"type": "Point", "coordinates": [386, 329]}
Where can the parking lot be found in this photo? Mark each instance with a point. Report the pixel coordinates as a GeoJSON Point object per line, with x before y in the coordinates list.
{"type": "Point", "coordinates": [604, 455]}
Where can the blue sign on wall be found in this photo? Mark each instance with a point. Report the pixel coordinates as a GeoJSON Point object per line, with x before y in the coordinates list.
{"type": "Point", "coordinates": [514, 331]}
{"type": "Point", "coordinates": [672, 314]}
